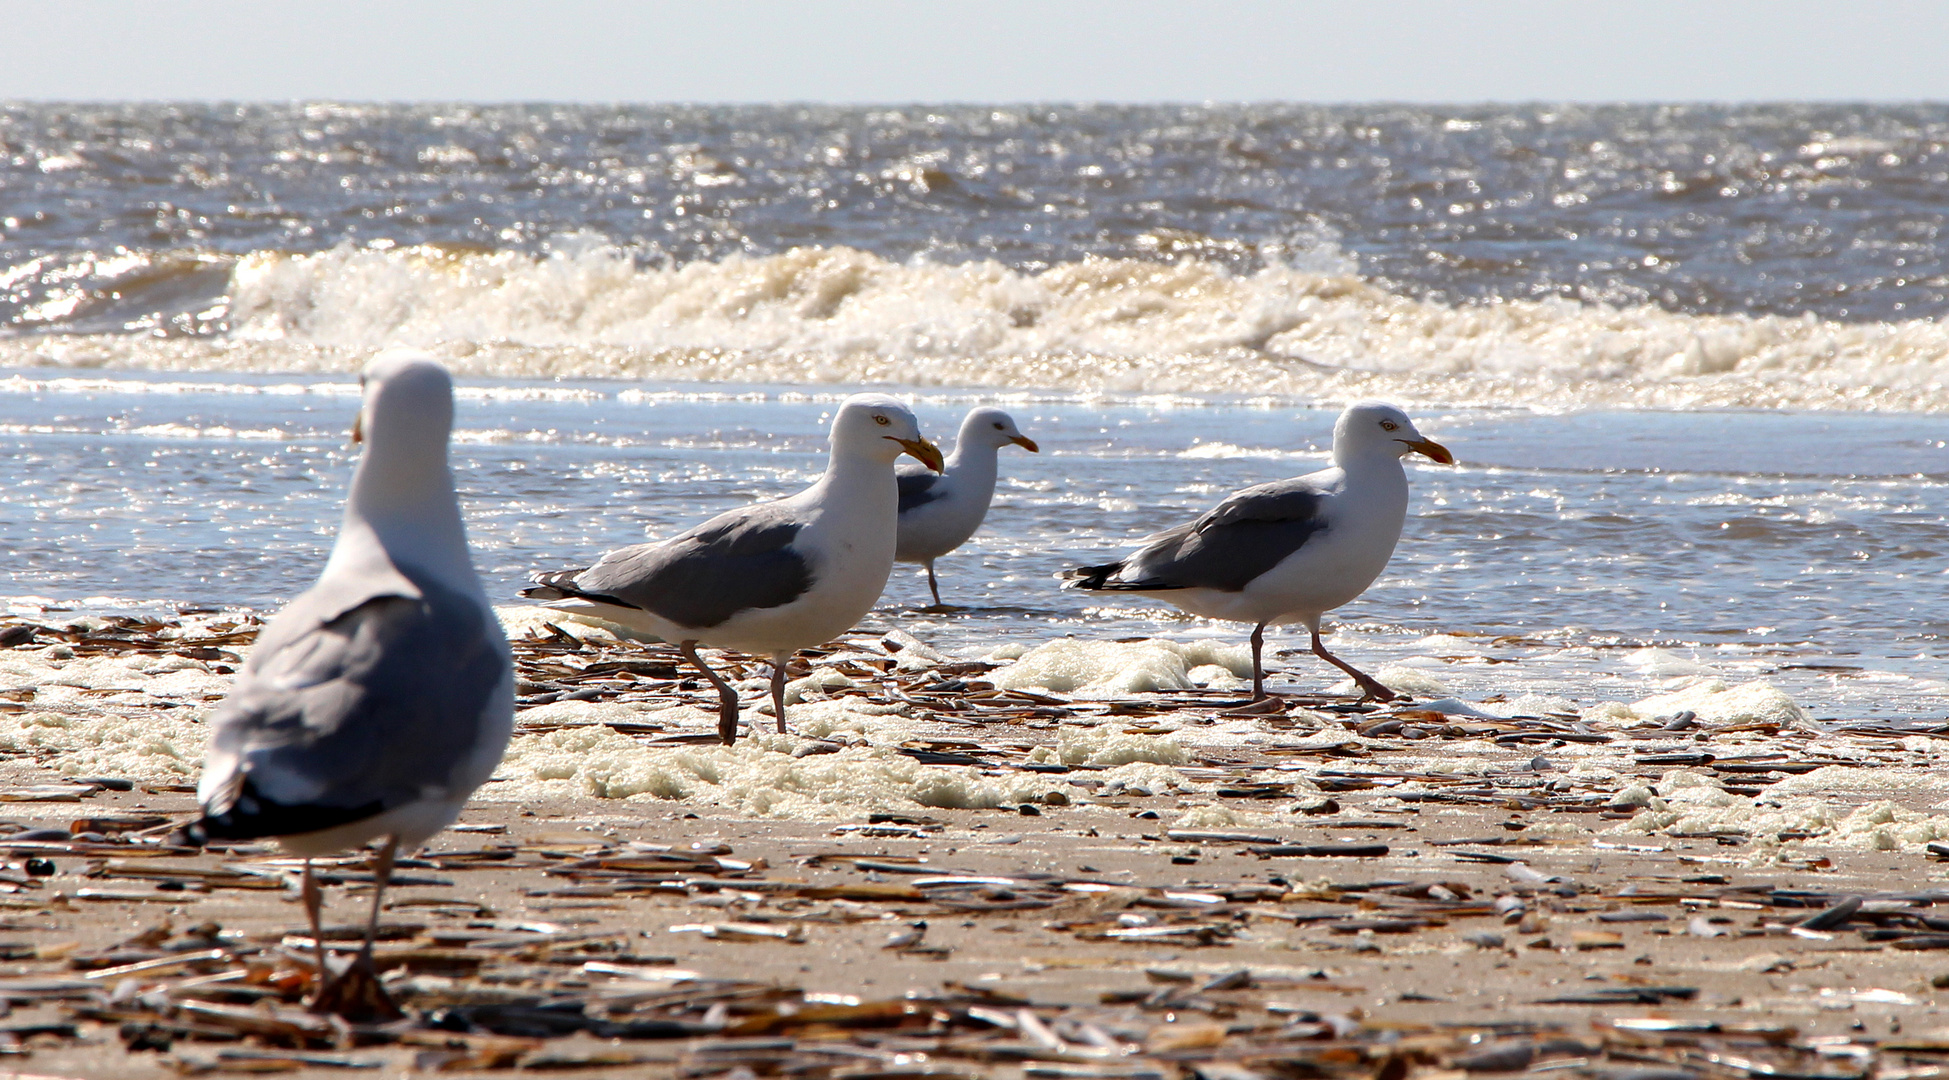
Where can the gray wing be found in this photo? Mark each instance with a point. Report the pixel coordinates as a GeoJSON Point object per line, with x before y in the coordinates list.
{"type": "Point", "coordinates": [1249, 533]}
{"type": "Point", "coordinates": [919, 485]}
{"type": "Point", "coordinates": [735, 561]}
{"type": "Point", "coordinates": [337, 720]}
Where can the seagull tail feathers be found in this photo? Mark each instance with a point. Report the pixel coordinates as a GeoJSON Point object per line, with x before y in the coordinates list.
{"type": "Point", "coordinates": [554, 585]}
{"type": "Point", "coordinates": [1090, 578]}
{"type": "Point", "coordinates": [1102, 579]}
{"type": "Point", "coordinates": [251, 816]}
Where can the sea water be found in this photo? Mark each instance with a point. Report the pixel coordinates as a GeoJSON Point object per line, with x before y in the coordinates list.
{"type": "Point", "coordinates": [1691, 359]}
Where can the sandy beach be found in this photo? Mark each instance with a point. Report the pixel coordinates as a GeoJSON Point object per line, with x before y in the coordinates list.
{"type": "Point", "coordinates": [1114, 884]}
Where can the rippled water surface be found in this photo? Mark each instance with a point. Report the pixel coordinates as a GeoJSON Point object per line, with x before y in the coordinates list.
{"type": "Point", "coordinates": [1807, 548]}
{"type": "Point", "coordinates": [1744, 256]}
{"type": "Point", "coordinates": [1700, 208]}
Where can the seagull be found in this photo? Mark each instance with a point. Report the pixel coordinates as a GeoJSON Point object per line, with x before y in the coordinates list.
{"type": "Point", "coordinates": [939, 511]}
{"type": "Point", "coordinates": [773, 577]}
{"type": "Point", "coordinates": [1291, 550]}
{"type": "Point", "coordinates": [377, 701]}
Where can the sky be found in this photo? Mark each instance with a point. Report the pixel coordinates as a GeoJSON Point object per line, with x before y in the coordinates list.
{"type": "Point", "coordinates": [891, 51]}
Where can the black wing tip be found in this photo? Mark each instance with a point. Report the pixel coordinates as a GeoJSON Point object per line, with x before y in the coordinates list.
{"type": "Point", "coordinates": [253, 817]}
{"type": "Point", "coordinates": [1097, 579]}
{"type": "Point", "coordinates": [1090, 578]}
{"type": "Point", "coordinates": [558, 585]}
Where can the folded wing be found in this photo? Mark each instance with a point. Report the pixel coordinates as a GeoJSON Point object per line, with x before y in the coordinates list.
{"type": "Point", "coordinates": [1249, 533]}
{"type": "Point", "coordinates": [735, 561]}
{"type": "Point", "coordinates": [340, 718]}
{"type": "Point", "coordinates": [919, 486]}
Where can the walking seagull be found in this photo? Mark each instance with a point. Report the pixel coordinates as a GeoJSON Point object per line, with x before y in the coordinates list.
{"type": "Point", "coordinates": [939, 511]}
{"type": "Point", "coordinates": [1291, 550]}
{"type": "Point", "coordinates": [773, 577]}
{"type": "Point", "coordinates": [378, 700]}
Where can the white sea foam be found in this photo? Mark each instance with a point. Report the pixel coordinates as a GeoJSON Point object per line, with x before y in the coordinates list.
{"type": "Point", "coordinates": [758, 776]}
{"type": "Point", "coordinates": [1114, 669]}
{"type": "Point", "coordinates": [1664, 664]}
{"type": "Point", "coordinates": [142, 716]}
{"type": "Point", "coordinates": [1838, 806]}
{"type": "Point", "coordinates": [1104, 747]}
{"type": "Point", "coordinates": [1717, 702]}
{"type": "Point", "coordinates": [1879, 825]}
{"type": "Point", "coordinates": [165, 746]}
{"type": "Point", "coordinates": [1401, 678]}
{"type": "Point", "coordinates": [1216, 816]}
{"type": "Point", "coordinates": [528, 620]}
{"type": "Point", "coordinates": [137, 715]}
{"type": "Point", "coordinates": [838, 315]}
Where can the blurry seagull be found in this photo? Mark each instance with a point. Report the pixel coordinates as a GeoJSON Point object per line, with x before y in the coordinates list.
{"type": "Point", "coordinates": [939, 511]}
{"type": "Point", "coordinates": [378, 700]}
{"type": "Point", "coordinates": [1290, 550]}
{"type": "Point", "coordinates": [773, 577]}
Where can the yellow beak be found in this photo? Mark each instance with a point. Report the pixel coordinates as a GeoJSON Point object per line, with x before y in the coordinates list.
{"type": "Point", "coordinates": [923, 451]}
{"type": "Point", "coordinates": [1431, 448]}
{"type": "Point", "coordinates": [358, 428]}
{"type": "Point", "coordinates": [1026, 443]}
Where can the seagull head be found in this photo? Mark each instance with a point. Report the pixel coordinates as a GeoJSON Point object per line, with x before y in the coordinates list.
{"type": "Point", "coordinates": [406, 406]}
{"type": "Point", "coordinates": [993, 427]}
{"type": "Point", "coordinates": [1376, 427]}
{"type": "Point", "coordinates": [880, 426]}
{"type": "Point", "coordinates": [402, 491]}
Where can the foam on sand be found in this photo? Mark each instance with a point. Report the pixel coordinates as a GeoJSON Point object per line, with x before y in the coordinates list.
{"type": "Point", "coordinates": [1213, 816]}
{"type": "Point", "coordinates": [1880, 825]}
{"type": "Point", "coordinates": [1105, 746]}
{"type": "Point", "coordinates": [527, 620]}
{"type": "Point", "coordinates": [1880, 781]}
{"type": "Point", "coordinates": [167, 747]}
{"type": "Point", "coordinates": [1718, 702]}
{"type": "Point", "coordinates": [758, 776]}
{"type": "Point", "coordinates": [136, 715]}
{"type": "Point", "coordinates": [1822, 808]}
{"type": "Point", "coordinates": [140, 715]}
{"type": "Point", "coordinates": [761, 777]}
{"type": "Point", "coordinates": [1087, 669]}
{"type": "Point", "coordinates": [1401, 679]}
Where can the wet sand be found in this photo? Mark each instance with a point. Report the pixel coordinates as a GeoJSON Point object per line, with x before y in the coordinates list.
{"type": "Point", "coordinates": [1362, 915]}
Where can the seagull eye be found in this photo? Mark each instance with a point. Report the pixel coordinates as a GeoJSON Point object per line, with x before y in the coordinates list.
{"type": "Point", "coordinates": [881, 420]}
{"type": "Point", "coordinates": [1388, 425]}
{"type": "Point", "coordinates": [998, 427]}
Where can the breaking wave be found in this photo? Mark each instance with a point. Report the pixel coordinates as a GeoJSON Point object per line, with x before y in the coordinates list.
{"type": "Point", "coordinates": [1311, 329]}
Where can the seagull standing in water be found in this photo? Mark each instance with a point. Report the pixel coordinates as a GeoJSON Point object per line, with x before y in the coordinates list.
{"type": "Point", "coordinates": [1291, 550]}
{"type": "Point", "coordinates": [770, 578]}
{"type": "Point", "coordinates": [378, 700]}
{"type": "Point", "coordinates": [939, 511]}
